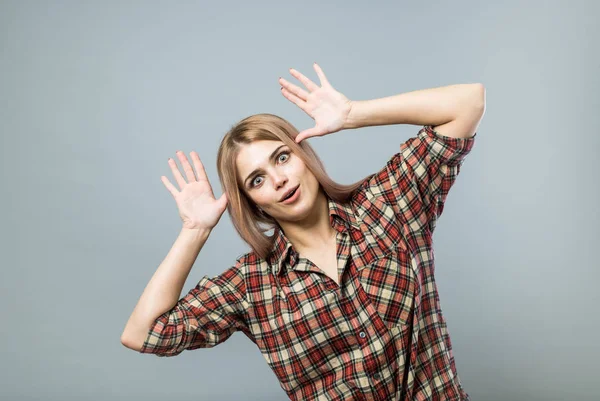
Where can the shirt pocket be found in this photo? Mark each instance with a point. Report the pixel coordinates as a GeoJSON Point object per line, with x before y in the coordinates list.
{"type": "Point", "coordinates": [389, 282]}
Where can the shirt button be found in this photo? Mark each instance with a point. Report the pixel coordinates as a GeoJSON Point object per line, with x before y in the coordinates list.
{"type": "Point", "coordinates": [362, 334]}
{"type": "Point", "coordinates": [376, 376]}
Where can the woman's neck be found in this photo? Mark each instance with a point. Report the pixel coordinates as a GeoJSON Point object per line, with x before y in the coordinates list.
{"type": "Point", "coordinates": [313, 232]}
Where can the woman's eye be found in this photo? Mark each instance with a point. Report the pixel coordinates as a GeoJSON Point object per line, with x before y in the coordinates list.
{"type": "Point", "coordinates": [254, 181]}
{"type": "Point", "coordinates": [284, 153]}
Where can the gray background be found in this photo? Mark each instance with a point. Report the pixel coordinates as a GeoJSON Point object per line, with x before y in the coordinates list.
{"type": "Point", "coordinates": [95, 96]}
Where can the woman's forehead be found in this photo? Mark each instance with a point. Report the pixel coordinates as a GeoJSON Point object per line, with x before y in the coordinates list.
{"type": "Point", "coordinates": [254, 155]}
{"type": "Point", "coordinates": [262, 144]}
{"type": "Point", "coordinates": [257, 150]}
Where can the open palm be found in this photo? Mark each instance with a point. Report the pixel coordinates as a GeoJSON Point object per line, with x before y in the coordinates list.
{"type": "Point", "coordinates": [328, 107]}
{"type": "Point", "coordinates": [197, 205]}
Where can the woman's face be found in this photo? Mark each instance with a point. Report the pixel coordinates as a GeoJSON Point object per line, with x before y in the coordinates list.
{"type": "Point", "coordinates": [268, 170]}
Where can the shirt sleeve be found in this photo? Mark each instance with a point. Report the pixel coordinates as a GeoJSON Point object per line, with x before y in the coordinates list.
{"type": "Point", "coordinates": [205, 317]}
{"type": "Point", "coordinates": [416, 180]}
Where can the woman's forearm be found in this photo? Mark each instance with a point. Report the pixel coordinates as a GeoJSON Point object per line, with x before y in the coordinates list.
{"type": "Point", "coordinates": [433, 106]}
{"type": "Point", "coordinates": [164, 289]}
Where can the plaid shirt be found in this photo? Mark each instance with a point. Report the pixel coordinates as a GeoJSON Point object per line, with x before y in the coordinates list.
{"type": "Point", "coordinates": [381, 334]}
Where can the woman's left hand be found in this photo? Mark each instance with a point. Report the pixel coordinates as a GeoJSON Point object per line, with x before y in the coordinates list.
{"type": "Point", "coordinates": [328, 107]}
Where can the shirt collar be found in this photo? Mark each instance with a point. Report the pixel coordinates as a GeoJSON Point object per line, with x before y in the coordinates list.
{"type": "Point", "coordinates": [282, 245]}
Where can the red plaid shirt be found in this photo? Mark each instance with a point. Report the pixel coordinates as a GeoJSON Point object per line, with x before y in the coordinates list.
{"type": "Point", "coordinates": [381, 334]}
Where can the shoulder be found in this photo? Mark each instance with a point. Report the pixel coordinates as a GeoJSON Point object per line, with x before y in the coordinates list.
{"type": "Point", "coordinates": [249, 263]}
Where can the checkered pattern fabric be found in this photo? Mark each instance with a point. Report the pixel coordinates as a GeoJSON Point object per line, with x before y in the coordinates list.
{"type": "Point", "coordinates": [380, 334]}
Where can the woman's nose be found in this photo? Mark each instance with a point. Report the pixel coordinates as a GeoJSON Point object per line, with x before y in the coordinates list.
{"type": "Point", "coordinates": [279, 180]}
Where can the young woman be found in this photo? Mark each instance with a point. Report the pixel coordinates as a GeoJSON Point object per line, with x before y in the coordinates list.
{"type": "Point", "coordinates": [341, 299]}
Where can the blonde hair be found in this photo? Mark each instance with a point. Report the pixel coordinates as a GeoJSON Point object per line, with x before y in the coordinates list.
{"type": "Point", "coordinates": [244, 213]}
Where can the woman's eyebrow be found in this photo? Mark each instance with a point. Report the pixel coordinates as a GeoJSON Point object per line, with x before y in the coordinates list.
{"type": "Point", "coordinates": [271, 157]}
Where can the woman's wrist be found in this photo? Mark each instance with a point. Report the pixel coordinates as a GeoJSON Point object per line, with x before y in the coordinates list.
{"type": "Point", "coordinates": [353, 118]}
{"type": "Point", "coordinates": [195, 233]}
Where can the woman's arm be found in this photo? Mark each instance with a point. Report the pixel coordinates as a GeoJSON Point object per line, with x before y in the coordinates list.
{"type": "Point", "coordinates": [461, 106]}
{"type": "Point", "coordinates": [454, 110]}
{"type": "Point", "coordinates": [164, 289]}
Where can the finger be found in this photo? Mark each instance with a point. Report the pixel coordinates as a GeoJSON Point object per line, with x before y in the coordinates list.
{"type": "Point", "coordinates": [223, 200]}
{"type": "Point", "coordinates": [307, 134]}
{"type": "Point", "coordinates": [321, 75]}
{"type": "Point", "coordinates": [200, 172]}
{"type": "Point", "coordinates": [310, 85]}
{"type": "Point", "coordinates": [200, 169]}
{"type": "Point", "coordinates": [178, 177]}
{"type": "Point", "coordinates": [294, 99]}
{"type": "Point", "coordinates": [296, 90]}
{"type": "Point", "coordinates": [169, 186]}
{"type": "Point", "coordinates": [187, 167]}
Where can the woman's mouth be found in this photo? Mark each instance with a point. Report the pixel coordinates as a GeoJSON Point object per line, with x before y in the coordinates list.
{"type": "Point", "coordinates": [293, 197]}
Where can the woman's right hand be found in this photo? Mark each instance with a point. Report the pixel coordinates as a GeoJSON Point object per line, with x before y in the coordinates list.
{"type": "Point", "coordinates": [197, 205]}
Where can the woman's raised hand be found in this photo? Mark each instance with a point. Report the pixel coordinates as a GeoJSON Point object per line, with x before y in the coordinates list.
{"type": "Point", "coordinates": [197, 205]}
{"type": "Point", "coordinates": [329, 108]}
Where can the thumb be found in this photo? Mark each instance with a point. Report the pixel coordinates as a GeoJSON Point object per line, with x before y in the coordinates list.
{"type": "Point", "coordinates": [304, 134]}
{"type": "Point", "coordinates": [223, 201]}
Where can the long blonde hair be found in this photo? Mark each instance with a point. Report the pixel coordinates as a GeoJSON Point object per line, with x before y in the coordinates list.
{"type": "Point", "coordinates": [247, 220]}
